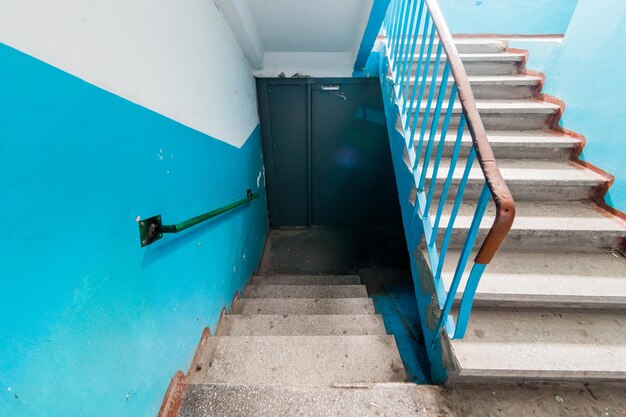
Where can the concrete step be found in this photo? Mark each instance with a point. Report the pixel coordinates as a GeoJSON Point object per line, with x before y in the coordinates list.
{"type": "Point", "coordinates": [547, 280]}
{"type": "Point", "coordinates": [571, 226]}
{"type": "Point", "coordinates": [301, 325]}
{"type": "Point", "coordinates": [304, 306]}
{"type": "Point", "coordinates": [299, 361]}
{"type": "Point", "coordinates": [358, 400]}
{"type": "Point", "coordinates": [306, 280]}
{"type": "Point", "coordinates": [542, 344]}
{"type": "Point", "coordinates": [472, 46]}
{"type": "Point", "coordinates": [521, 144]}
{"type": "Point", "coordinates": [502, 114]}
{"type": "Point", "coordinates": [528, 180]}
{"type": "Point", "coordinates": [500, 63]}
{"type": "Point", "coordinates": [305, 291]}
{"type": "Point", "coordinates": [484, 86]}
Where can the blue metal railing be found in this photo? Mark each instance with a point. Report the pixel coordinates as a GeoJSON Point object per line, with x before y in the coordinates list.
{"type": "Point", "coordinates": [433, 97]}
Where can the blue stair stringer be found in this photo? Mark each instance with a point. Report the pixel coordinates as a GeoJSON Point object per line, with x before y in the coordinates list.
{"type": "Point", "coordinates": [425, 292]}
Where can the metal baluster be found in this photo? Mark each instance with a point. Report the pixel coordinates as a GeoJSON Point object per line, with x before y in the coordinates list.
{"type": "Point", "coordinates": [455, 210]}
{"type": "Point", "coordinates": [416, 111]}
{"type": "Point", "coordinates": [433, 128]}
{"type": "Point", "coordinates": [418, 24]}
{"type": "Point", "coordinates": [465, 254]}
{"type": "Point", "coordinates": [413, 92]}
{"type": "Point", "coordinates": [401, 34]}
{"type": "Point", "coordinates": [440, 148]}
{"type": "Point", "coordinates": [394, 26]}
{"type": "Point", "coordinates": [429, 102]}
{"type": "Point", "coordinates": [400, 76]}
{"type": "Point", "coordinates": [468, 299]}
{"type": "Point", "coordinates": [451, 169]}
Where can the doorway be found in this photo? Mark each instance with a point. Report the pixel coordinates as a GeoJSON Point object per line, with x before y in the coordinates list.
{"type": "Point", "coordinates": [326, 153]}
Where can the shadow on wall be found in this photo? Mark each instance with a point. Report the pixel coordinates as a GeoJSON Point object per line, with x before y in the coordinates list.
{"type": "Point", "coordinates": [92, 324]}
{"type": "Point", "coordinates": [525, 17]}
{"type": "Point", "coordinates": [587, 76]}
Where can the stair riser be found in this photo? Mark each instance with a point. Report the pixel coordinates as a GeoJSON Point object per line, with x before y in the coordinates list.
{"type": "Point", "coordinates": [484, 91]}
{"type": "Point", "coordinates": [500, 121]}
{"type": "Point", "coordinates": [301, 325]}
{"type": "Point", "coordinates": [527, 376]}
{"type": "Point", "coordinates": [306, 280]}
{"type": "Point", "coordinates": [334, 306]}
{"type": "Point", "coordinates": [535, 301]}
{"type": "Point", "coordinates": [473, 68]}
{"type": "Point", "coordinates": [305, 291]}
{"type": "Point", "coordinates": [541, 240]}
{"type": "Point", "coordinates": [471, 48]}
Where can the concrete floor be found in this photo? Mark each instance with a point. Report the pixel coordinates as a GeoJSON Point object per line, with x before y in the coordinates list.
{"type": "Point", "coordinates": [527, 399]}
{"type": "Point", "coordinates": [335, 251]}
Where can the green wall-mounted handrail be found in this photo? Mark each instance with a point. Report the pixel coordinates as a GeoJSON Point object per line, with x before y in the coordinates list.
{"type": "Point", "coordinates": [152, 229]}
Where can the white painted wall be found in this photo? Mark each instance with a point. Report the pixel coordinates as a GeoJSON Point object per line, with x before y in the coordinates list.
{"type": "Point", "coordinates": [239, 17]}
{"type": "Point", "coordinates": [177, 58]}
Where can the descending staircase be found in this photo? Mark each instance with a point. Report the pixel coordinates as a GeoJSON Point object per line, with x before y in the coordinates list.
{"type": "Point", "coordinates": [552, 303]}
{"type": "Point", "coordinates": [299, 345]}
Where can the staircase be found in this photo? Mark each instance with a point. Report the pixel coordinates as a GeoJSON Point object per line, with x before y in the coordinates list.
{"type": "Point", "coordinates": [297, 345]}
{"type": "Point", "coordinates": [551, 304]}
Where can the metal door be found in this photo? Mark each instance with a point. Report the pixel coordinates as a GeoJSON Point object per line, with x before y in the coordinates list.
{"type": "Point", "coordinates": [326, 152]}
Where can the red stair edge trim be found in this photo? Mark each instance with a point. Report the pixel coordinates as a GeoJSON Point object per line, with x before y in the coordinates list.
{"type": "Point", "coordinates": [175, 394]}
{"type": "Point", "coordinates": [598, 198]}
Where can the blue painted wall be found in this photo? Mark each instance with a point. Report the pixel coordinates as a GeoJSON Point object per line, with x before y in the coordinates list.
{"type": "Point", "coordinates": [91, 324]}
{"type": "Point", "coordinates": [527, 17]}
{"type": "Point", "coordinates": [541, 52]}
{"type": "Point", "coordinates": [588, 75]}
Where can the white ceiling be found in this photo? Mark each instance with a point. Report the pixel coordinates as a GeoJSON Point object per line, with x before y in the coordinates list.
{"type": "Point", "coordinates": [312, 37]}
{"type": "Point", "coordinates": [309, 26]}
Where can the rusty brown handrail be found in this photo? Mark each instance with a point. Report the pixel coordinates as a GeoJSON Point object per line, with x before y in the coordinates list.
{"type": "Point", "coordinates": [505, 206]}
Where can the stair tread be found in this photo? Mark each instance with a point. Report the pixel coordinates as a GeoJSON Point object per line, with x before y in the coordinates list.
{"type": "Point", "coordinates": [521, 137]}
{"type": "Point", "coordinates": [284, 279]}
{"type": "Point", "coordinates": [496, 79]}
{"type": "Point", "coordinates": [501, 106]}
{"type": "Point", "coordinates": [523, 171]}
{"type": "Point", "coordinates": [299, 360]}
{"type": "Point", "coordinates": [547, 279]}
{"type": "Point", "coordinates": [479, 56]}
{"type": "Point", "coordinates": [304, 306]}
{"type": "Point", "coordinates": [301, 325]}
{"type": "Point", "coordinates": [543, 344]}
{"type": "Point", "coordinates": [467, 46]}
{"type": "Point", "coordinates": [305, 291]}
{"type": "Point", "coordinates": [365, 400]}
{"type": "Point", "coordinates": [571, 215]}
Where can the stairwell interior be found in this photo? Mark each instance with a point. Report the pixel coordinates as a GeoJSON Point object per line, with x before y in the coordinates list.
{"type": "Point", "coordinates": [395, 208]}
{"type": "Point", "coordinates": [549, 308]}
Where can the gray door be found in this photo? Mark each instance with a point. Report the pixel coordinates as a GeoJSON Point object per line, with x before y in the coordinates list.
{"type": "Point", "coordinates": [326, 152]}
